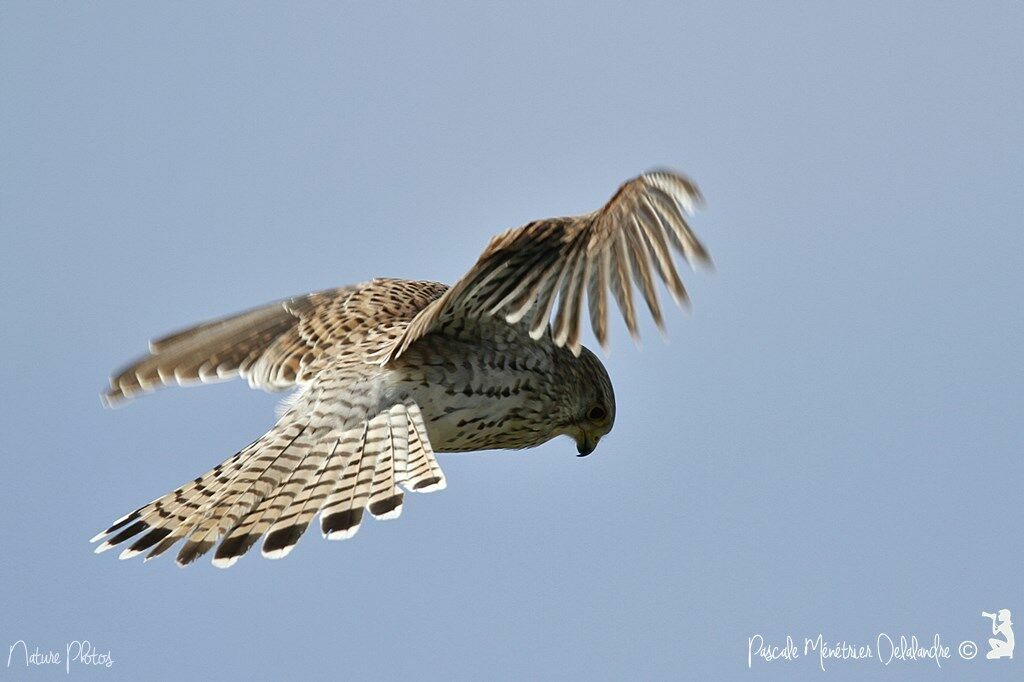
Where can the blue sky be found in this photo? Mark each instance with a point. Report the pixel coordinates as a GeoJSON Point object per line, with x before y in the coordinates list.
{"type": "Point", "coordinates": [830, 442]}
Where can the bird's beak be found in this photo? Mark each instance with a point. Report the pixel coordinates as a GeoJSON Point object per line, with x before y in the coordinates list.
{"type": "Point", "coordinates": [586, 444]}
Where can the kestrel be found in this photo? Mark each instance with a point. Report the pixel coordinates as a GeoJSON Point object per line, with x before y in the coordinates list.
{"type": "Point", "coordinates": [390, 371]}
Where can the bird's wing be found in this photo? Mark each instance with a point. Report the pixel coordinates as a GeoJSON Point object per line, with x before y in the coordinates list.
{"type": "Point", "coordinates": [520, 274]}
{"type": "Point", "coordinates": [282, 344]}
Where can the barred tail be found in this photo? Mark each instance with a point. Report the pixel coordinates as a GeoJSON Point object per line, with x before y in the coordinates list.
{"type": "Point", "coordinates": [277, 484]}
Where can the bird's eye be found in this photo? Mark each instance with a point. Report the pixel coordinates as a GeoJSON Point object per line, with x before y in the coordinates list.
{"type": "Point", "coordinates": [597, 413]}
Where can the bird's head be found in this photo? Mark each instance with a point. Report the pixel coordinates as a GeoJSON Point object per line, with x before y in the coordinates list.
{"type": "Point", "coordinates": [592, 404]}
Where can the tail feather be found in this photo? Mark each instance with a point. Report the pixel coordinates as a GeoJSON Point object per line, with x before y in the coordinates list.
{"type": "Point", "coordinates": [385, 497]}
{"type": "Point", "coordinates": [253, 484]}
{"type": "Point", "coordinates": [185, 520]}
{"type": "Point", "coordinates": [420, 471]}
{"type": "Point", "coordinates": [257, 522]}
{"type": "Point", "coordinates": [339, 501]}
{"type": "Point", "coordinates": [172, 508]}
{"type": "Point", "coordinates": [277, 484]}
{"type": "Point", "coordinates": [291, 523]}
{"type": "Point", "coordinates": [343, 509]}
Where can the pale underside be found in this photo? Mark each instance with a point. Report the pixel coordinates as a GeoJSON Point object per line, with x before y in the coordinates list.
{"type": "Point", "coordinates": [390, 371]}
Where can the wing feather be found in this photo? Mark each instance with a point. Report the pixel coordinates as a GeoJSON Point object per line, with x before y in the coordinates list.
{"type": "Point", "coordinates": [545, 302]}
{"type": "Point", "coordinates": [597, 297]}
{"type": "Point", "coordinates": [282, 344]}
{"type": "Point", "coordinates": [642, 272]}
{"type": "Point", "coordinates": [523, 271]}
{"type": "Point", "coordinates": [622, 276]}
{"type": "Point", "coordinates": [654, 231]}
{"type": "Point", "coordinates": [566, 329]}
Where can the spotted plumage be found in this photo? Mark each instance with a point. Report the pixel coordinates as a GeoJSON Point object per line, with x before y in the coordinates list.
{"type": "Point", "coordinates": [388, 372]}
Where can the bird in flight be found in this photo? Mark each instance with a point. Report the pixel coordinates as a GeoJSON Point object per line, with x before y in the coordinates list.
{"type": "Point", "coordinates": [390, 371]}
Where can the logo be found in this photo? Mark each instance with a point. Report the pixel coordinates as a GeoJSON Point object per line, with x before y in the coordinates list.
{"type": "Point", "coordinates": [1001, 625]}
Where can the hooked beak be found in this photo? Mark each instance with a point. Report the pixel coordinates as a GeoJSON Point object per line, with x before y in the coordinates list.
{"type": "Point", "coordinates": [586, 444]}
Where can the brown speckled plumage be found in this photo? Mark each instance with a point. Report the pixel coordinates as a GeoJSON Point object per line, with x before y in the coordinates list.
{"type": "Point", "coordinates": [390, 371]}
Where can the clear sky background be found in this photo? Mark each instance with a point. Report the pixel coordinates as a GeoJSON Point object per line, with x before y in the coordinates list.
{"type": "Point", "coordinates": [830, 442]}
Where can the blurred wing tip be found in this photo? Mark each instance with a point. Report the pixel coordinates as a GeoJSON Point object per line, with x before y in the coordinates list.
{"type": "Point", "coordinates": [677, 178]}
{"type": "Point", "coordinates": [682, 299]}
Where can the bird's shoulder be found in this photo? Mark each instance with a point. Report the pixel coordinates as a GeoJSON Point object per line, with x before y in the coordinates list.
{"type": "Point", "coordinates": [372, 304]}
{"type": "Point", "coordinates": [356, 323]}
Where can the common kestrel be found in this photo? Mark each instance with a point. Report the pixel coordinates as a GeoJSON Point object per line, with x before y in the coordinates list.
{"type": "Point", "coordinates": [390, 371]}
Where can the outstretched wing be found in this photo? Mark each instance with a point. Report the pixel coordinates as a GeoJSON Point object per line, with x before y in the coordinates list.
{"type": "Point", "coordinates": [283, 344]}
{"type": "Point", "coordinates": [629, 240]}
